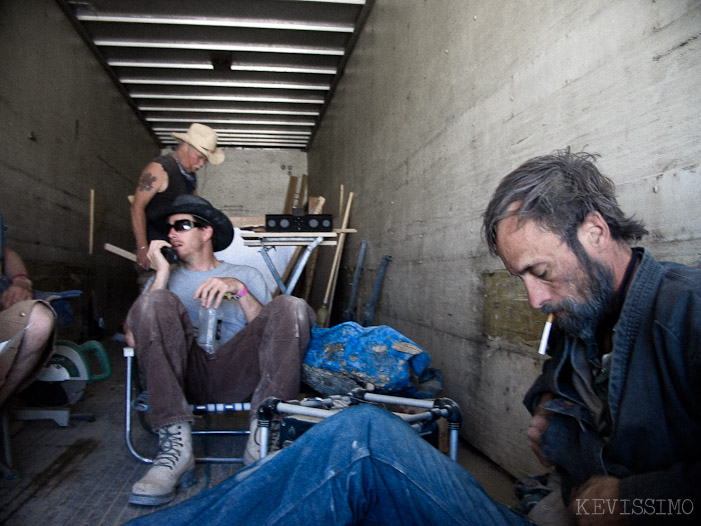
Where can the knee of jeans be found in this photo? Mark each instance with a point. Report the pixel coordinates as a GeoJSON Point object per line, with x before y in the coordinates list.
{"type": "Point", "coordinates": [363, 417]}
{"type": "Point", "coordinates": [150, 304]}
{"type": "Point", "coordinates": [290, 304]}
{"type": "Point", "coordinates": [155, 299]}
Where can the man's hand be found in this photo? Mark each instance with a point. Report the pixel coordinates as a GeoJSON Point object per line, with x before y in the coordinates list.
{"type": "Point", "coordinates": [158, 262]}
{"type": "Point", "coordinates": [596, 502]}
{"type": "Point", "coordinates": [211, 292]}
{"type": "Point", "coordinates": [156, 259]}
{"type": "Point", "coordinates": [20, 290]}
{"type": "Point", "coordinates": [539, 423]}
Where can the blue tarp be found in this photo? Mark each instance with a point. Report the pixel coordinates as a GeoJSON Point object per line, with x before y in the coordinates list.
{"type": "Point", "coordinates": [378, 355]}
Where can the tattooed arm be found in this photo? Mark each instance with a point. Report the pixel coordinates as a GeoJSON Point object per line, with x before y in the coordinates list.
{"type": "Point", "coordinates": [153, 179]}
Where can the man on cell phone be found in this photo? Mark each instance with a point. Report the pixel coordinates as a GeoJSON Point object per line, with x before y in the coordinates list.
{"type": "Point", "coordinates": [261, 345]}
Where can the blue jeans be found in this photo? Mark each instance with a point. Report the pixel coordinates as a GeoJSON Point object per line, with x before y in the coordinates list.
{"type": "Point", "coordinates": [362, 466]}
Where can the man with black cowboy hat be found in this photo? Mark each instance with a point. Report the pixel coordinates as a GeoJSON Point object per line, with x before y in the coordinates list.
{"type": "Point", "coordinates": [262, 340]}
{"type": "Point", "coordinates": [167, 177]}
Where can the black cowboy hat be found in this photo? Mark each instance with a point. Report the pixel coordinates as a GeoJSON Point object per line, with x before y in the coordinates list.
{"type": "Point", "coordinates": [201, 209]}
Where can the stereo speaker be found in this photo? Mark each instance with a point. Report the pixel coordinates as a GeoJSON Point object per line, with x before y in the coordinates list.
{"type": "Point", "coordinates": [298, 223]}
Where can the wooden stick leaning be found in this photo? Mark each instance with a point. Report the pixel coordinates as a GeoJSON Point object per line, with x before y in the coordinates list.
{"type": "Point", "coordinates": [91, 226]}
{"type": "Point", "coordinates": [324, 312]}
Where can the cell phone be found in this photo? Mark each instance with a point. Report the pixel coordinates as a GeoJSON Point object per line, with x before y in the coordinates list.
{"type": "Point", "coordinates": [170, 254]}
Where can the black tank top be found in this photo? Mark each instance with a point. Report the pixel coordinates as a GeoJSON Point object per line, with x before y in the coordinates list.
{"type": "Point", "coordinates": [177, 185]}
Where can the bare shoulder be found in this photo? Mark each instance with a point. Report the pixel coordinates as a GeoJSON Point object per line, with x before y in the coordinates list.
{"type": "Point", "coordinates": [153, 179]}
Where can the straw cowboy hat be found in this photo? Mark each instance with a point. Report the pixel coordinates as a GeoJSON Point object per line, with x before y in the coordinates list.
{"type": "Point", "coordinates": [203, 139]}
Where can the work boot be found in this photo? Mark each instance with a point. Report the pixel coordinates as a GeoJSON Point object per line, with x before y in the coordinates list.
{"type": "Point", "coordinates": [173, 466]}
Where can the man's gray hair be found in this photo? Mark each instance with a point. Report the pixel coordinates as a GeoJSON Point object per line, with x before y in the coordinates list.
{"type": "Point", "coordinates": [559, 191]}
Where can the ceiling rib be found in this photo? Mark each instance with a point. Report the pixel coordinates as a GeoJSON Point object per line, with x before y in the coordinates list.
{"type": "Point", "coordinates": [260, 72]}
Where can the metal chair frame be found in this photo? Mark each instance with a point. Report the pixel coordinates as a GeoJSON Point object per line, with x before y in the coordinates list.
{"type": "Point", "coordinates": [197, 408]}
{"type": "Point", "coordinates": [327, 407]}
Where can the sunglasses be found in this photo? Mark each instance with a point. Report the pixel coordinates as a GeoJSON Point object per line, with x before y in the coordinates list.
{"type": "Point", "coordinates": [184, 225]}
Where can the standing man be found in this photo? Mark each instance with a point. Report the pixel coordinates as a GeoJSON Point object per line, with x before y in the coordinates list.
{"type": "Point", "coordinates": [167, 177]}
{"type": "Point", "coordinates": [262, 340]}
{"type": "Point", "coordinates": [616, 412]}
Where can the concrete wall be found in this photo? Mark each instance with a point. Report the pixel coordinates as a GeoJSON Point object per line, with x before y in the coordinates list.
{"type": "Point", "coordinates": [251, 182]}
{"type": "Point", "coordinates": [443, 98]}
{"type": "Point", "coordinates": [66, 130]}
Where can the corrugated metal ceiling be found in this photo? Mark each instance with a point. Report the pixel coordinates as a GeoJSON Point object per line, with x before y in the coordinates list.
{"type": "Point", "coordinates": [260, 72]}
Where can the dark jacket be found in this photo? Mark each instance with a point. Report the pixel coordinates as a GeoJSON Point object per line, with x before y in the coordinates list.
{"type": "Point", "coordinates": [654, 397]}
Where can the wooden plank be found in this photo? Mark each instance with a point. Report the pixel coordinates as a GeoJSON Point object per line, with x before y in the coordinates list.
{"type": "Point", "coordinates": [91, 224]}
{"type": "Point", "coordinates": [302, 197]}
{"type": "Point", "coordinates": [247, 221]}
{"type": "Point", "coordinates": [250, 234]}
{"type": "Point", "coordinates": [339, 249]}
{"type": "Point", "coordinates": [120, 252]}
{"type": "Point", "coordinates": [290, 197]}
{"type": "Point", "coordinates": [324, 312]}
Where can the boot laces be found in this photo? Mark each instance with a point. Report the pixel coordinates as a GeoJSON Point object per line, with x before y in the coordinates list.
{"type": "Point", "coordinates": [170, 445]}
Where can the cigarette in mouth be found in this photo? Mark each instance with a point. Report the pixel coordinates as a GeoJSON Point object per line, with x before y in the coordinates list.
{"type": "Point", "coordinates": [546, 334]}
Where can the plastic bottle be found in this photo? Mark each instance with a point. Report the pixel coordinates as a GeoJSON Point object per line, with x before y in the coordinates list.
{"type": "Point", "coordinates": [207, 332]}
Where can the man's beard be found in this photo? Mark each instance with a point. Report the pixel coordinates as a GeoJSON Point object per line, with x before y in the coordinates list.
{"type": "Point", "coordinates": [578, 316]}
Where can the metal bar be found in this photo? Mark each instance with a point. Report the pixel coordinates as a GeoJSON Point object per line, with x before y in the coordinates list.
{"type": "Point", "coordinates": [348, 314]}
{"type": "Point", "coordinates": [454, 444]}
{"type": "Point", "coordinates": [264, 253]}
{"type": "Point", "coordinates": [292, 239]}
{"type": "Point", "coordinates": [370, 314]}
{"type": "Point", "coordinates": [129, 354]}
{"type": "Point", "coordinates": [220, 432]}
{"type": "Point", "coordinates": [264, 438]}
{"type": "Point", "coordinates": [221, 408]}
{"type": "Point", "coordinates": [283, 407]}
{"type": "Point", "coordinates": [413, 402]}
{"type": "Point", "coordinates": [218, 460]}
{"type": "Point", "coordinates": [301, 263]}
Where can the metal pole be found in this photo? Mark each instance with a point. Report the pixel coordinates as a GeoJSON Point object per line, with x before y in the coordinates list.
{"type": "Point", "coordinates": [348, 314]}
{"type": "Point", "coordinates": [370, 314]}
{"type": "Point", "coordinates": [301, 263]}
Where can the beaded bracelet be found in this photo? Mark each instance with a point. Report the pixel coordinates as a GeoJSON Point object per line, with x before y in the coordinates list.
{"type": "Point", "coordinates": [241, 293]}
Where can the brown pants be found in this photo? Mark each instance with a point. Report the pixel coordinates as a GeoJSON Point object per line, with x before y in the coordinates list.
{"type": "Point", "coordinates": [18, 369]}
{"type": "Point", "coordinates": [263, 359]}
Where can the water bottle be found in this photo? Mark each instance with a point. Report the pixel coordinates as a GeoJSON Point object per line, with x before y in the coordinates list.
{"type": "Point", "coordinates": [207, 332]}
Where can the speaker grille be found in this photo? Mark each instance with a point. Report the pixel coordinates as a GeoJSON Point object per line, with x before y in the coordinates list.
{"type": "Point", "coordinates": [293, 223]}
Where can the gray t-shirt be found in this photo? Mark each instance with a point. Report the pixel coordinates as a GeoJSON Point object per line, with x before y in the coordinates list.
{"type": "Point", "coordinates": [184, 282]}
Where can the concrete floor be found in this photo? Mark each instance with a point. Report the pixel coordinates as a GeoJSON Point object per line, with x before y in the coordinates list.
{"type": "Point", "coordinates": [82, 474]}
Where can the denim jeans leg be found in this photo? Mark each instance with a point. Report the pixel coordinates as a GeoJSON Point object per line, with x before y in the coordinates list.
{"type": "Point", "coordinates": [163, 334]}
{"type": "Point", "coordinates": [362, 466]}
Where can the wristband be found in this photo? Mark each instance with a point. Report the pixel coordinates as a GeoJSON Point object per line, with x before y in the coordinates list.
{"type": "Point", "coordinates": [241, 293]}
{"type": "Point", "coordinates": [19, 276]}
